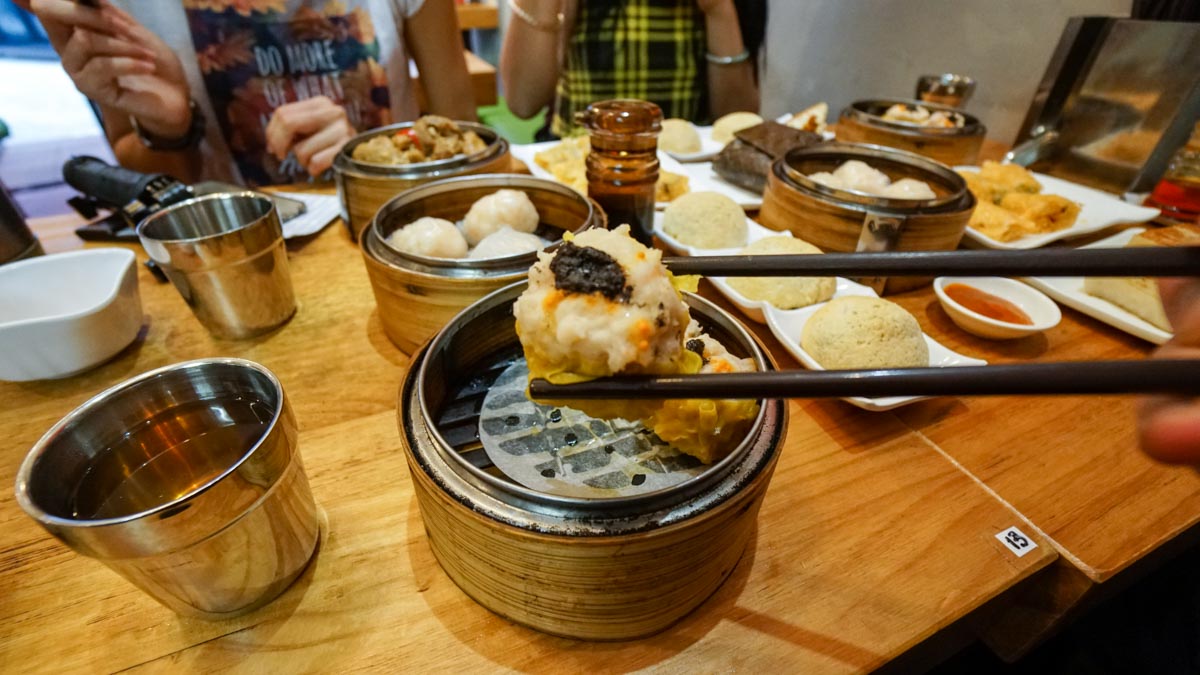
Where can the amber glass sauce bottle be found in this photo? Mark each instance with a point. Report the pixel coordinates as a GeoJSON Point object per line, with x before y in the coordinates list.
{"type": "Point", "coordinates": [622, 167]}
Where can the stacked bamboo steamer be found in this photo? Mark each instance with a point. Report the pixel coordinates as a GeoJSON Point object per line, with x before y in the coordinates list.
{"type": "Point", "coordinates": [848, 221]}
{"type": "Point", "coordinates": [863, 122]}
{"type": "Point", "coordinates": [596, 569]}
{"type": "Point", "coordinates": [417, 295]}
{"type": "Point", "coordinates": [364, 187]}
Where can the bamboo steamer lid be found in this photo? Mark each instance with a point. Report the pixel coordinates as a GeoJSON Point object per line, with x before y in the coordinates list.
{"type": "Point", "coordinates": [417, 295]}
{"type": "Point", "coordinates": [849, 221]}
{"type": "Point", "coordinates": [595, 569]}
{"type": "Point", "coordinates": [364, 187]}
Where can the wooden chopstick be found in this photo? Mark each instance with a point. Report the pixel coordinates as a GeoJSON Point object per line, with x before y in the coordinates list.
{"type": "Point", "coordinates": [1160, 261]}
{"type": "Point", "coordinates": [1179, 376]}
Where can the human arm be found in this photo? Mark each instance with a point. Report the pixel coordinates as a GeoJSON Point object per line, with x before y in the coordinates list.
{"type": "Point", "coordinates": [529, 57]}
{"type": "Point", "coordinates": [129, 73]}
{"type": "Point", "coordinates": [1169, 426]}
{"type": "Point", "coordinates": [731, 87]}
{"type": "Point", "coordinates": [433, 37]}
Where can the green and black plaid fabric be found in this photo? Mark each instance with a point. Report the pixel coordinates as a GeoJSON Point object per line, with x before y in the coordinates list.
{"type": "Point", "coordinates": [646, 49]}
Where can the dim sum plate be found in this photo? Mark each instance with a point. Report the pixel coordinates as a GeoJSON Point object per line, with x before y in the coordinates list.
{"type": "Point", "coordinates": [700, 175]}
{"type": "Point", "coordinates": [751, 308]}
{"type": "Point", "coordinates": [708, 147]}
{"type": "Point", "coordinates": [787, 326]}
{"type": "Point", "coordinates": [1098, 211]}
{"type": "Point", "coordinates": [1069, 291]}
{"type": "Point", "coordinates": [702, 178]}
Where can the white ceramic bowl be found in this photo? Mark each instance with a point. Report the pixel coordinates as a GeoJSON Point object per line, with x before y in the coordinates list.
{"type": "Point", "coordinates": [62, 314]}
{"type": "Point", "coordinates": [1040, 309]}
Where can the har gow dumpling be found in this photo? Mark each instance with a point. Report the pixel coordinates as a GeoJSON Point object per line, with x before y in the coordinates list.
{"type": "Point", "coordinates": [428, 236]}
{"type": "Point", "coordinates": [909, 188]}
{"type": "Point", "coordinates": [861, 176]}
{"type": "Point", "coordinates": [503, 208]}
{"type": "Point", "coordinates": [505, 242]}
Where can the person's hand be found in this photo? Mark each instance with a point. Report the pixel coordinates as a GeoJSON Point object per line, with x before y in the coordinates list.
{"type": "Point", "coordinates": [314, 129]}
{"type": "Point", "coordinates": [1169, 427]}
{"type": "Point", "coordinates": [118, 63]}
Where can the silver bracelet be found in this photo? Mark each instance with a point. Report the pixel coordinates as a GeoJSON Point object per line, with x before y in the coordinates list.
{"type": "Point", "coordinates": [544, 26]}
{"type": "Point", "coordinates": [727, 60]}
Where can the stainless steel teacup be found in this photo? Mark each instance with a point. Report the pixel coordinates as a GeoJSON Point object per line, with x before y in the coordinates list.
{"type": "Point", "coordinates": [226, 255]}
{"type": "Point", "coordinates": [186, 480]}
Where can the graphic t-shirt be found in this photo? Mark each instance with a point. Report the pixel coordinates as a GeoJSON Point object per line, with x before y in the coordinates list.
{"type": "Point", "coordinates": [246, 58]}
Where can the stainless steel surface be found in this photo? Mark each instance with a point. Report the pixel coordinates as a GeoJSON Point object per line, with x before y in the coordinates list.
{"type": "Point", "coordinates": [1121, 95]}
{"type": "Point", "coordinates": [458, 194]}
{"type": "Point", "coordinates": [945, 89]}
{"type": "Point", "coordinates": [879, 233]}
{"type": "Point", "coordinates": [226, 255]}
{"type": "Point", "coordinates": [185, 480]}
{"type": "Point", "coordinates": [288, 208]}
{"type": "Point", "coordinates": [17, 241]}
{"type": "Point", "coordinates": [485, 333]}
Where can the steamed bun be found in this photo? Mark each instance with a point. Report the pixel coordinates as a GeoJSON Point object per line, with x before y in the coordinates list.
{"type": "Point", "coordinates": [502, 208]}
{"type": "Point", "coordinates": [428, 236]}
{"type": "Point", "coordinates": [706, 220]}
{"type": "Point", "coordinates": [857, 331]}
{"type": "Point", "coordinates": [784, 292]}
{"type": "Point", "coordinates": [678, 136]}
{"type": "Point", "coordinates": [728, 125]}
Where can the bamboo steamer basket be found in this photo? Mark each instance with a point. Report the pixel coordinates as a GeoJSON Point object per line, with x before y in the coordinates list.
{"type": "Point", "coordinates": [417, 295]}
{"type": "Point", "coordinates": [594, 569]}
{"type": "Point", "coordinates": [847, 221]}
{"type": "Point", "coordinates": [862, 122]}
{"type": "Point", "coordinates": [363, 187]}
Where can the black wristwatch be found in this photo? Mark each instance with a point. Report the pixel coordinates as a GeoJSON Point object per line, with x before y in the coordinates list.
{"type": "Point", "coordinates": [194, 135]}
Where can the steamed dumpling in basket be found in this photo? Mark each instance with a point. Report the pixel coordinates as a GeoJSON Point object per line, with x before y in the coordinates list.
{"type": "Point", "coordinates": [603, 304]}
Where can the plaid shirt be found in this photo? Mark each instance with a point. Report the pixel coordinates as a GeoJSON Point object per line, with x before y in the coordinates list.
{"type": "Point", "coordinates": [646, 49]}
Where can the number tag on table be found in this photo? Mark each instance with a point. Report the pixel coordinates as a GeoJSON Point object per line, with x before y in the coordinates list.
{"type": "Point", "coordinates": [1016, 541]}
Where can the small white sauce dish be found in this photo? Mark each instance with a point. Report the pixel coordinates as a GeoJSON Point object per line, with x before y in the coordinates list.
{"type": "Point", "coordinates": [63, 314]}
{"type": "Point", "coordinates": [1043, 311]}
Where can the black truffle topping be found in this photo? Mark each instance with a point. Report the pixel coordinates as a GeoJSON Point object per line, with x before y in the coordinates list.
{"type": "Point", "coordinates": [583, 269]}
{"type": "Point", "coordinates": [697, 345]}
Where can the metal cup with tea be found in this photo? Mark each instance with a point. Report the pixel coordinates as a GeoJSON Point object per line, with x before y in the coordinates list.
{"type": "Point", "coordinates": [186, 481]}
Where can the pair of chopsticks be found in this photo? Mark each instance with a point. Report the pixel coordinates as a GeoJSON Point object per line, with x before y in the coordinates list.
{"type": "Point", "coordinates": [1152, 261]}
{"type": "Point", "coordinates": [1181, 377]}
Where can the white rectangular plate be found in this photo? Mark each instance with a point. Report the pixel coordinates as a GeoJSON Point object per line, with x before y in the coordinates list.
{"type": "Point", "coordinates": [787, 325]}
{"type": "Point", "coordinates": [1097, 211]}
{"type": "Point", "coordinates": [701, 177]}
{"type": "Point", "coordinates": [751, 308]}
{"type": "Point", "coordinates": [1069, 291]}
{"type": "Point", "coordinates": [708, 147]}
{"type": "Point", "coordinates": [526, 153]}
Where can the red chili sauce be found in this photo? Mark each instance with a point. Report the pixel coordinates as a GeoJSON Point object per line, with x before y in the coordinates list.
{"type": "Point", "coordinates": [987, 304]}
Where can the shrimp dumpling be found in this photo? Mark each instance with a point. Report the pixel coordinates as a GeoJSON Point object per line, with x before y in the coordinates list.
{"type": "Point", "coordinates": [860, 176]}
{"type": "Point", "coordinates": [909, 188]}
{"type": "Point", "coordinates": [428, 236]}
{"type": "Point", "coordinates": [511, 208]}
{"type": "Point", "coordinates": [505, 242]}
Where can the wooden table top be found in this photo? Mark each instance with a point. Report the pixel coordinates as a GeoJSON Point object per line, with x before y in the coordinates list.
{"type": "Point", "coordinates": [870, 539]}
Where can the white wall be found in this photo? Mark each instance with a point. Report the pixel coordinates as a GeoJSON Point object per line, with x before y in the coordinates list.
{"type": "Point", "coordinates": [839, 51]}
